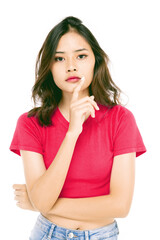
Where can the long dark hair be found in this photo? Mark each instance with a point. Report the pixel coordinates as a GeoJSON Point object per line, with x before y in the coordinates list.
{"type": "Point", "coordinates": [102, 86]}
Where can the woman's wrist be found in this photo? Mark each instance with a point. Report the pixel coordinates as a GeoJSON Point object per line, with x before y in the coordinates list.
{"type": "Point", "coordinates": [72, 135]}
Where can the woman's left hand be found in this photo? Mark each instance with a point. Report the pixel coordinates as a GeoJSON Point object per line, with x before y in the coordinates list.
{"type": "Point", "coordinates": [21, 196]}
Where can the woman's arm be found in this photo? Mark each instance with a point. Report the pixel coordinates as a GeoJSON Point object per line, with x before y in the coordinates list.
{"type": "Point", "coordinates": [114, 205]}
{"type": "Point", "coordinates": [44, 186]}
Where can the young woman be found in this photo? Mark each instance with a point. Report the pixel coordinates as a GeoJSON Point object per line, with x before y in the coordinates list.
{"type": "Point", "coordinates": [79, 146]}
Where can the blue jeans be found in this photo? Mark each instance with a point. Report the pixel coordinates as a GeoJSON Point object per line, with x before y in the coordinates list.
{"type": "Point", "coordinates": [46, 230]}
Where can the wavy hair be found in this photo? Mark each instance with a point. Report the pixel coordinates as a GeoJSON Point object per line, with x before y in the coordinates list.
{"type": "Point", "coordinates": [102, 86]}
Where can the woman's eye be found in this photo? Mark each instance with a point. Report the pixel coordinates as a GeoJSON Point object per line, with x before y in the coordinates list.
{"type": "Point", "coordinates": [82, 56]}
{"type": "Point", "coordinates": [59, 59]}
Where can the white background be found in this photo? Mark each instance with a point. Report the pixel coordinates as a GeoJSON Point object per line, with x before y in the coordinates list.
{"type": "Point", "coordinates": [129, 33]}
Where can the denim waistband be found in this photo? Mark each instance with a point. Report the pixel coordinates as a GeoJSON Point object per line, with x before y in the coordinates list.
{"type": "Point", "coordinates": [54, 230]}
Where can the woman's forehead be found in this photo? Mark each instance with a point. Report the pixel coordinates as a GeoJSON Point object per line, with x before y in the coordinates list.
{"type": "Point", "coordinates": [72, 41]}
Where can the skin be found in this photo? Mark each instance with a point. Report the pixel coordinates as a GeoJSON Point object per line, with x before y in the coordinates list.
{"type": "Point", "coordinates": [73, 62]}
{"type": "Point", "coordinates": [21, 196]}
{"type": "Point", "coordinates": [76, 105]}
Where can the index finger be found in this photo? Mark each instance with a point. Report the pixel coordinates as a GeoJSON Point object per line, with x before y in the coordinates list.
{"type": "Point", "coordinates": [19, 186]}
{"type": "Point", "coordinates": [77, 89]}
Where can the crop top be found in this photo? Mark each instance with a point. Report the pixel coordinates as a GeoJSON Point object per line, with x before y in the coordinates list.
{"type": "Point", "coordinates": [112, 132]}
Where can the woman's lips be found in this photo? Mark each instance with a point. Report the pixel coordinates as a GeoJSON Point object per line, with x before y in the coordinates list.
{"type": "Point", "coordinates": [73, 79]}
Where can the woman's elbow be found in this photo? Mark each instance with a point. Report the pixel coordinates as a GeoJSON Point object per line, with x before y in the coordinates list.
{"type": "Point", "coordinates": [41, 205]}
{"type": "Point", "coordinates": [124, 211]}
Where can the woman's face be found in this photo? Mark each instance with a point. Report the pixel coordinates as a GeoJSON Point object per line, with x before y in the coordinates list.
{"type": "Point", "coordinates": [74, 57]}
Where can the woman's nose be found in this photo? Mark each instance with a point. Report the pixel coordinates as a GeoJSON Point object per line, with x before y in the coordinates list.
{"type": "Point", "coordinates": [71, 66]}
{"type": "Point", "coordinates": [72, 70]}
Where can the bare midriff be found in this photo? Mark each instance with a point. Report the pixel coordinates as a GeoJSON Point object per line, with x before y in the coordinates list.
{"type": "Point", "coordinates": [77, 225]}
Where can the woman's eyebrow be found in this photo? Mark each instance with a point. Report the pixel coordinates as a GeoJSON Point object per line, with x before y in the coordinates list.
{"type": "Point", "coordinates": [78, 50]}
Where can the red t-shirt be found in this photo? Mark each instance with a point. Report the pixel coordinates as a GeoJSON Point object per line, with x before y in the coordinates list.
{"type": "Point", "coordinates": [112, 132]}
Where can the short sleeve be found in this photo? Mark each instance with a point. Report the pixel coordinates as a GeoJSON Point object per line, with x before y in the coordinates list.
{"type": "Point", "coordinates": [127, 137]}
{"type": "Point", "coordinates": [27, 136]}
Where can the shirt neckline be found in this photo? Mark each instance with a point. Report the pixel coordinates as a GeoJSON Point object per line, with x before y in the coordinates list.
{"type": "Point", "coordinates": [99, 115]}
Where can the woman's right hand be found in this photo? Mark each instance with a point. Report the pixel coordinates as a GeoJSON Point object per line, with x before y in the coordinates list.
{"type": "Point", "coordinates": [79, 109]}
